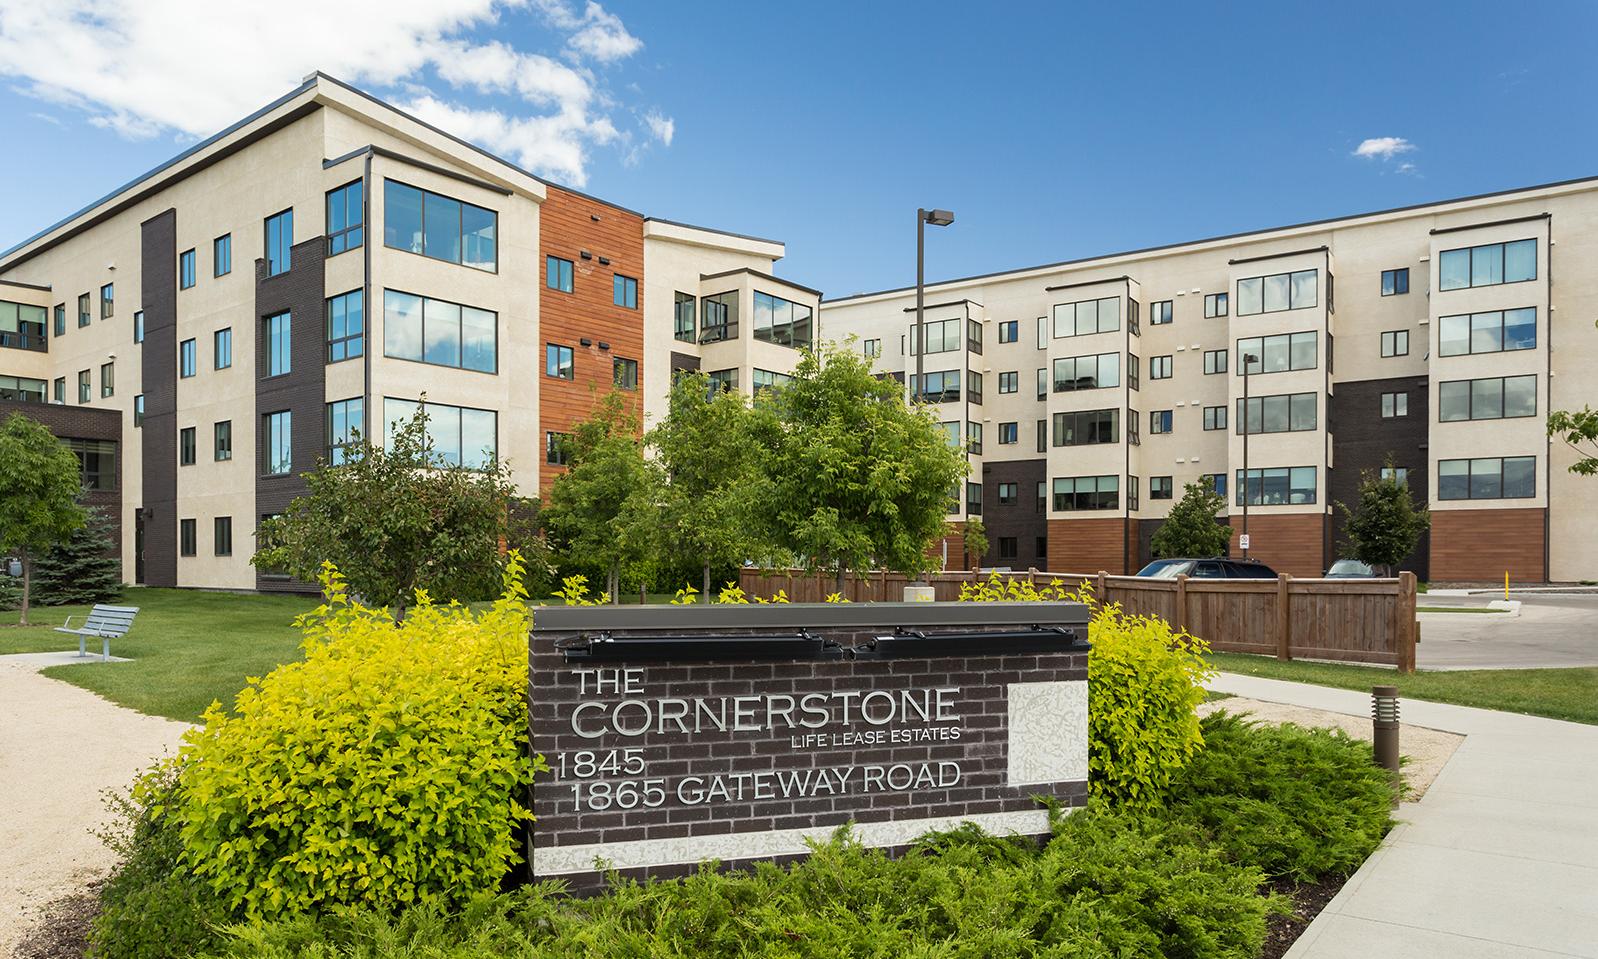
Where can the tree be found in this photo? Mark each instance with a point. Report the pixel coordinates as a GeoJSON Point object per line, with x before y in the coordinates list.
{"type": "Point", "coordinates": [1387, 524]}
{"type": "Point", "coordinates": [395, 519]}
{"type": "Point", "coordinates": [974, 539]}
{"type": "Point", "coordinates": [84, 569]}
{"type": "Point", "coordinates": [1190, 529]}
{"type": "Point", "coordinates": [40, 482]}
{"type": "Point", "coordinates": [716, 486]}
{"type": "Point", "coordinates": [858, 476]}
{"type": "Point", "coordinates": [607, 509]}
{"type": "Point", "coordinates": [1578, 429]}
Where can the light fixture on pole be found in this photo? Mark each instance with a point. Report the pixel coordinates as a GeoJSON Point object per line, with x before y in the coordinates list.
{"type": "Point", "coordinates": [1249, 359]}
{"type": "Point", "coordinates": [923, 217]}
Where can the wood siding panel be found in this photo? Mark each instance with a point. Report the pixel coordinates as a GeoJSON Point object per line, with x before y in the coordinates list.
{"type": "Point", "coordinates": [1479, 545]}
{"type": "Point", "coordinates": [569, 225]}
{"type": "Point", "coordinates": [1292, 543]}
{"type": "Point", "coordinates": [1091, 545]}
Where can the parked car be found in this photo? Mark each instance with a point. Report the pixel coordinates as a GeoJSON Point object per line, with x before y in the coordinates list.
{"type": "Point", "coordinates": [1217, 567]}
{"type": "Point", "coordinates": [1350, 569]}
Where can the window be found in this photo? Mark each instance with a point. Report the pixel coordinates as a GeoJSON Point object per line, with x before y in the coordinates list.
{"type": "Point", "coordinates": [871, 348]}
{"type": "Point", "coordinates": [1074, 493]}
{"type": "Point", "coordinates": [624, 291]}
{"type": "Point", "coordinates": [973, 438]}
{"type": "Point", "coordinates": [683, 312]}
{"type": "Point", "coordinates": [1088, 316]}
{"type": "Point", "coordinates": [1161, 312]}
{"type": "Point", "coordinates": [1495, 332]}
{"type": "Point", "coordinates": [1395, 282]}
{"type": "Point", "coordinates": [555, 448]}
{"type": "Point", "coordinates": [1086, 427]}
{"type": "Point", "coordinates": [1007, 547]}
{"type": "Point", "coordinates": [1131, 371]}
{"type": "Point", "coordinates": [1161, 487]}
{"type": "Point", "coordinates": [138, 326]}
{"type": "Point", "coordinates": [1492, 398]}
{"type": "Point", "coordinates": [1509, 477]}
{"type": "Point", "coordinates": [1275, 354]}
{"type": "Point", "coordinates": [345, 423]}
{"type": "Point", "coordinates": [439, 332]}
{"type": "Point", "coordinates": [61, 319]}
{"type": "Point", "coordinates": [624, 373]}
{"type": "Point", "coordinates": [1280, 291]}
{"type": "Point", "coordinates": [973, 388]}
{"type": "Point", "coordinates": [941, 387]}
{"type": "Point", "coordinates": [1283, 413]}
{"type": "Point", "coordinates": [108, 379]}
{"type": "Point", "coordinates": [1487, 265]}
{"type": "Point", "coordinates": [84, 388]}
{"type": "Point", "coordinates": [186, 444]}
{"type": "Point", "coordinates": [1215, 304]}
{"type": "Point", "coordinates": [83, 310]}
{"type": "Point", "coordinates": [1395, 343]}
{"type": "Point", "coordinates": [461, 436]}
{"type": "Point", "coordinates": [23, 389]}
{"type": "Point", "coordinates": [1278, 486]}
{"type": "Point", "coordinates": [973, 499]}
{"type": "Point", "coordinates": [97, 461]}
{"type": "Point", "coordinates": [723, 381]}
{"type": "Point", "coordinates": [222, 255]}
{"type": "Point", "coordinates": [783, 322]}
{"type": "Point", "coordinates": [1215, 417]}
{"type": "Point", "coordinates": [346, 218]}
{"type": "Point", "coordinates": [1399, 473]}
{"type": "Point", "coordinates": [558, 362]}
{"type": "Point", "coordinates": [222, 441]}
{"type": "Point", "coordinates": [186, 271]}
{"type": "Point", "coordinates": [138, 408]}
{"type": "Point", "coordinates": [439, 227]}
{"type": "Point", "coordinates": [188, 359]}
{"type": "Point", "coordinates": [1074, 373]}
{"type": "Point", "coordinates": [278, 343]}
{"type": "Point", "coordinates": [1009, 434]}
{"type": "Point", "coordinates": [558, 275]}
{"type": "Point", "coordinates": [1043, 496]}
{"type": "Point", "coordinates": [942, 336]}
{"type": "Point", "coordinates": [1009, 382]}
{"type": "Point", "coordinates": [1395, 404]}
{"type": "Point", "coordinates": [1043, 332]}
{"type": "Point", "coordinates": [1160, 421]}
{"type": "Point", "coordinates": [60, 389]}
{"type": "Point", "coordinates": [1217, 482]}
{"type": "Point", "coordinates": [973, 336]}
{"type": "Point", "coordinates": [951, 433]}
{"type": "Point", "coordinates": [346, 326]}
{"type": "Point", "coordinates": [1159, 367]}
{"type": "Point", "coordinates": [277, 454]}
{"type": "Point", "coordinates": [186, 536]}
{"type": "Point", "coordinates": [108, 301]}
{"type": "Point", "coordinates": [1132, 438]}
{"type": "Point", "coordinates": [279, 242]}
{"type": "Point", "coordinates": [1214, 361]}
{"type": "Point", "coordinates": [1043, 383]}
{"type": "Point", "coordinates": [1009, 330]}
{"type": "Point", "coordinates": [719, 319]}
{"type": "Point", "coordinates": [767, 380]}
{"type": "Point", "coordinates": [222, 348]}
{"type": "Point", "coordinates": [222, 535]}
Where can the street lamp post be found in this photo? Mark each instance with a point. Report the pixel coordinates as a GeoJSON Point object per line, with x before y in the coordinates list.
{"type": "Point", "coordinates": [923, 217]}
{"type": "Point", "coordinates": [1249, 359]}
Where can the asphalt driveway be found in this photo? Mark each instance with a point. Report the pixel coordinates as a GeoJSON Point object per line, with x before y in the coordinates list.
{"type": "Point", "coordinates": [1552, 630]}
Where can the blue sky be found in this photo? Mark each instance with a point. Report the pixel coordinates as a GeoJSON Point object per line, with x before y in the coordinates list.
{"type": "Point", "coordinates": [1054, 131]}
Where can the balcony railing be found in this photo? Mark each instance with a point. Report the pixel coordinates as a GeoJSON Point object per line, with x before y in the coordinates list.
{"type": "Point", "coordinates": [36, 342]}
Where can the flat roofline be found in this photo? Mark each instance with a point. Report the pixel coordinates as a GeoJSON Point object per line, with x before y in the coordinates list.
{"type": "Point", "coordinates": [1222, 237]}
{"type": "Point", "coordinates": [764, 276]}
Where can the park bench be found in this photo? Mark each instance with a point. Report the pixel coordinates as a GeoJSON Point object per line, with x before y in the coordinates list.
{"type": "Point", "coordinates": [106, 622]}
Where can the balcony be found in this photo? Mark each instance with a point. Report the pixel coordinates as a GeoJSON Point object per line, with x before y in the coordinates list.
{"type": "Point", "coordinates": [24, 340]}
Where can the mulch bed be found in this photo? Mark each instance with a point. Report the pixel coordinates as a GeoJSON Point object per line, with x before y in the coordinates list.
{"type": "Point", "coordinates": [1308, 900]}
{"type": "Point", "coordinates": [63, 933]}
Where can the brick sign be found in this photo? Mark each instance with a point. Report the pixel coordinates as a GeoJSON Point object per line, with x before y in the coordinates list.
{"type": "Point", "coordinates": [680, 734]}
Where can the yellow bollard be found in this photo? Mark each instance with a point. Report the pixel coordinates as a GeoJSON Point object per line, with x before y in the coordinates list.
{"type": "Point", "coordinates": [1506, 585]}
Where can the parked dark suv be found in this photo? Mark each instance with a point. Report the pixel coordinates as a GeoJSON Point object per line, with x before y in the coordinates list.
{"type": "Point", "coordinates": [1213, 568]}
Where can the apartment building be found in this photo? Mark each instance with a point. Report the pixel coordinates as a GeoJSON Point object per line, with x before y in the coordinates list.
{"type": "Point", "coordinates": [1431, 339]}
{"type": "Point", "coordinates": [207, 333]}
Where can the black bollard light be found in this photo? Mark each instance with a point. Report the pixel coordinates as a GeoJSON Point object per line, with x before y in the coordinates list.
{"type": "Point", "coordinates": [1384, 724]}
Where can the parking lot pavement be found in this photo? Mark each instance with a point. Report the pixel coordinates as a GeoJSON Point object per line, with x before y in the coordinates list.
{"type": "Point", "coordinates": [1552, 630]}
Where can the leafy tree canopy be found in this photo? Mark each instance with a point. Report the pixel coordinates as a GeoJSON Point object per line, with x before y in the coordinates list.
{"type": "Point", "coordinates": [40, 483]}
{"type": "Point", "coordinates": [1386, 525]}
{"type": "Point", "coordinates": [1191, 530]}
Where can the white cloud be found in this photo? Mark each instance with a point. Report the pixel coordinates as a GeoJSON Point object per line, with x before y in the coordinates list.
{"type": "Point", "coordinates": [663, 127]}
{"type": "Point", "coordinates": [144, 68]}
{"type": "Point", "coordinates": [1383, 147]}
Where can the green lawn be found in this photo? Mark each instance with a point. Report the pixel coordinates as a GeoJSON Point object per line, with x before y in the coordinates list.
{"type": "Point", "coordinates": [1556, 693]}
{"type": "Point", "coordinates": [189, 647]}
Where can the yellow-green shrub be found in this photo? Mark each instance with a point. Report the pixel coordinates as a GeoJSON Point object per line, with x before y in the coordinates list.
{"type": "Point", "coordinates": [386, 769]}
{"type": "Point", "coordinates": [1145, 684]}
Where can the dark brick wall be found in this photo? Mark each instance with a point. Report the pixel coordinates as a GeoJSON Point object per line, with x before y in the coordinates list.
{"type": "Point", "coordinates": [158, 366]}
{"type": "Point", "coordinates": [84, 423]}
{"type": "Point", "coordinates": [301, 391]}
{"type": "Point", "coordinates": [981, 749]}
{"type": "Point", "coordinates": [1362, 441]}
{"type": "Point", "coordinates": [1146, 528]}
{"type": "Point", "coordinates": [1023, 520]}
{"type": "Point", "coordinates": [684, 361]}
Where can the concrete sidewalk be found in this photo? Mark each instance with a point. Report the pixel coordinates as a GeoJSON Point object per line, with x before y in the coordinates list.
{"type": "Point", "coordinates": [1499, 859]}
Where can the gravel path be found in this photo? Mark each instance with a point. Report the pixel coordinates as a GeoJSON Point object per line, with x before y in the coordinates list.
{"type": "Point", "coordinates": [60, 747]}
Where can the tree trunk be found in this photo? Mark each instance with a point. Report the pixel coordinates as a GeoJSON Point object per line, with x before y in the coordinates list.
{"type": "Point", "coordinates": [27, 587]}
{"type": "Point", "coordinates": [842, 572]}
{"type": "Point", "coordinates": [706, 593]}
{"type": "Point", "coordinates": [615, 584]}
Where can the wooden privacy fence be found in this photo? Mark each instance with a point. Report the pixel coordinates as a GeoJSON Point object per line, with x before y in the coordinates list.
{"type": "Point", "coordinates": [1350, 620]}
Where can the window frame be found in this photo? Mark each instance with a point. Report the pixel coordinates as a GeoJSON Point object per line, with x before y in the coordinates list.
{"type": "Point", "coordinates": [1159, 309]}
{"type": "Point", "coordinates": [624, 291]}
{"type": "Point", "coordinates": [188, 359]}
{"type": "Point", "coordinates": [1470, 475]}
{"type": "Point", "coordinates": [1470, 398]}
{"type": "Point", "coordinates": [564, 272]}
{"type": "Point", "coordinates": [1395, 282]}
{"type": "Point", "coordinates": [357, 228]}
{"type": "Point", "coordinates": [188, 446]}
{"type": "Point", "coordinates": [461, 233]}
{"type": "Point", "coordinates": [1217, 305]}
{"type": "Point", "coordinates": [442, 308]}
{"type": "Point", "coordinates": [1390, 343]}
{"type": "Point", "coordinates": [277, 345]}
{"type": "Point", "coordinates": [1470, 252]}
{"type": "Point", "coordinates": [336, 442]}
{"type": "Point", "coordinates": [557, 351]}
{"type": "Point", "coordinates": [1009, 330]}
{"type": "Point", "coordinates": [222, 536]}
{"type": "Point", "coordinates": [222, 255]}
{"type": "Point", "coordinates": [222, 348]}
{"type": "Point", "coordinates": [353, 345]}
{"type": "Point", "coordinates": [188, 270]}
{"type": "Point", "coordinates": [1288, 474]}
{"type": "Point", "coordinates": [1241, 414]}
{"type": "Point", "coordinates": [1291, 292]}
{"type": "Point", "coordinates": [222, 441]}
{"type": "Point", "coordinates": [279, 257]}
{"type": "Point", "coordinates": [1262, 340]}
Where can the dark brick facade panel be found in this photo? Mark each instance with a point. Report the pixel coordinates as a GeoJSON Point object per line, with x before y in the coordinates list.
{"type": "Point", "coordinates": [684, 361]}
{"type": "Point", "coordinates": [1022, 519]}
{"type": "Point", "coordinates": [1363, 442]}
{"type": "Point", "coordinates": [302, 391]}
{"type": "Point", "coordinates": [84, 423]}
{"type": "Point", "coordinates": [158, 366]}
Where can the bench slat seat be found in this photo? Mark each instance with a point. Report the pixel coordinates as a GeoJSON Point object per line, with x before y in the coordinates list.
{"type": "Point", "coordinates": [106, 623]}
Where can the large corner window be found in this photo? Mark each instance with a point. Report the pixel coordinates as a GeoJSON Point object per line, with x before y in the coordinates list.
{"type": "Point", "coordinates": [22, 326]}
{"type": "Point", "coordinates": [1278, 486]}
{"type": "Point", "coordinates": [346, 326]}
{"type": "Point", "coordinates": [440, 227]}
{"type": "Point", "coordinates": [1492, 477]}
{"type": "Point", "coordinates": [783, 322]}
{"type": "Point", "coordinates": [719, 318]}
{"type": "Point", "coordinates": [346, 218]}
{"type": "Point", "coordinates": [22, 388]}
{"type": "Point", "coordinates": [1494, 332]}
{"type": "Point", "coordinates": [279, 242]}
{"type": "Point", "coordinates": [1277, 354]}
{"type": "Point", "coordinates": [1277, 292]}
{"type": "Point", "coordinates": [942, 386]}
{"type": "Point", "coordinates": [1072, 373]}
{"type": "Point", "coordinates": [941, 336]}
{"type": "Point", "coordinates": [1491, 398]}
{"type": "Point", "coordinates": [1080, 493]}
{"type": "Point", "coordinates": [1487, 265]}
{"type": "Point", "coordinates": [439, 332]}
{"type": "Point", "coordinates": [344, 425]}
{"type": "Point", "coordinates": [460, 435]}
{"type": "Point", "coordinates": [1285, 413]}
{"type": "Point", "coordinates": [1087, 427]}
{"type": "Point", "coordinates": [1087, 316]}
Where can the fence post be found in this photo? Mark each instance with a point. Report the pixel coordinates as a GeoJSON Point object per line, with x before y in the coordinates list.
{"type": "Point", "coordinates": [1101, 591]}
{"type": "Point", "coordinates": [1031, 575]}
{"type": "Point", "coordinates": [1284, 626]}
{"type": "Point", "coordinates": [1404, 625]}
{"type": "Point", "coordinates": [1181, 602]}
